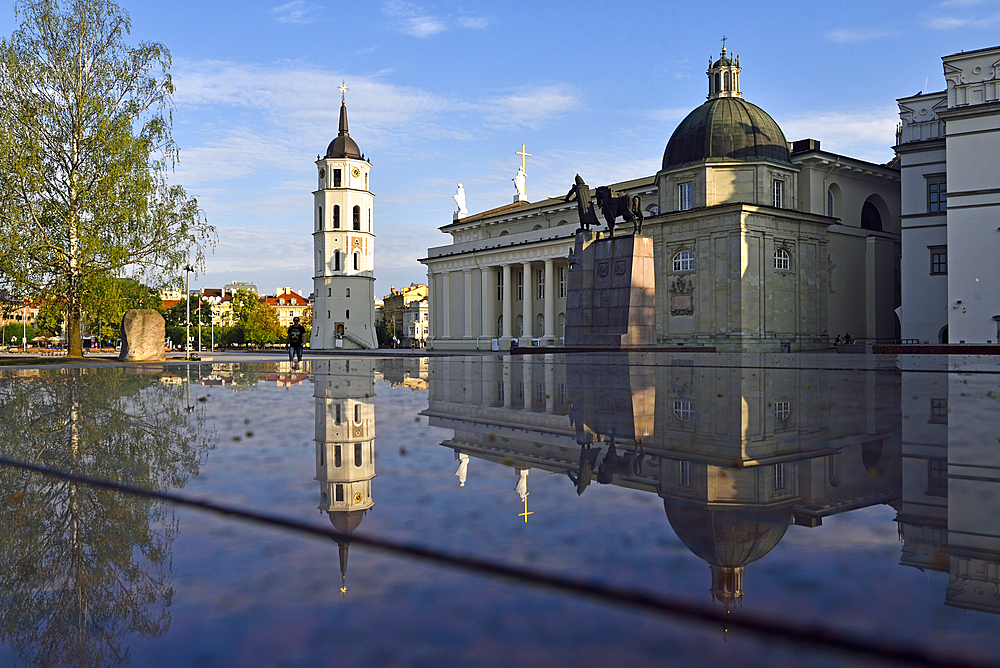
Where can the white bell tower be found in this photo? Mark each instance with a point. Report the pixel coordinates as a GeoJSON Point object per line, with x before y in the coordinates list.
{"type": "Point", "coordinates": [344, 247]}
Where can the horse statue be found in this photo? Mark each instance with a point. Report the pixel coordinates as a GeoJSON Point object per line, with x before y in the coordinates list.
{"type": "Point", "coordinates": [614, 204]}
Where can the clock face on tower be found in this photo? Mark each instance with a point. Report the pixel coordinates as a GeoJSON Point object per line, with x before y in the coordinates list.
{"type": "Point", "coordinates": [356, 172]}
{"type": "Point", "coordinates": [322, 173]}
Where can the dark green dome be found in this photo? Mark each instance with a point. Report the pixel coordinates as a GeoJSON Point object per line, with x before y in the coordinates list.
{"type": "Point", "coordinates": [726, 128]}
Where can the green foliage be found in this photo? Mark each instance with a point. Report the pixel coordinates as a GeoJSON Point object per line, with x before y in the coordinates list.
{"type": "Point", "coordinates": [177, 314]}
{"type": "Point", "coordinates": [15, 330]}
{"type": "Point", "coordinates": [382, 332]}
{"type": "Point", "coordinates": [262, 327]}
{"type": "Point", "coordinates": [234, 336]}
{"type": "Point", "coordinates": [244, 304]}
{"type": "Point", "coordinates": [85, 152]}
{"type": "Point", "coordinates": [50, 318]}
{"type": "Point", "coordinates": [107, 299]}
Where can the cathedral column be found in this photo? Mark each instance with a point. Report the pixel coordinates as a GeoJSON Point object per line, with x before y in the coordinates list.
{"type": "Point", "coordinates": [507, 310]}
{"type": "Point", "coordinates": [550, 302]}
{"type": "Point", "coordinates": [526, 381]}
{"type": "Point", "coordinates": [468, 303]}
{"type": "Point", "coordinates": [432, 299]}
{"type": "Point", "coordinates": [527, 311]}
{"type": "Point", "coordinates": [446, 302]}
{"type": "Point", "coordinates": [487, 303]}
{"type": "Point", "coordinates": [508, 385]}
{"type": "Point", "coordinates": [550, 381]}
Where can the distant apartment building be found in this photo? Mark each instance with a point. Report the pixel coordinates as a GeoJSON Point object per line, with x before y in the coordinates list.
{"type": "Point", "coordinates": [407, 313]}
{"type": "Point", "coordinates": [289, 305]}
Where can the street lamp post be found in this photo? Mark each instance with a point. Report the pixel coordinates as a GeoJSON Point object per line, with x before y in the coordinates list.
{"type": "Point", "coordinates": [187, 308]}
{"type": "Point", "coordinates": [199, 324]}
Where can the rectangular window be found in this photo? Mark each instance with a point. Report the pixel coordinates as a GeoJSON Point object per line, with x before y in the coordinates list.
{"type": "Point", "coordinates": [779, 476]}
{"type": "Point", "coordinates": [779, 194]}
{"type": "Point", "coordinates": [500, 285]}
{"type": "Point", "coordinates": [541, 284]}
{"type": "Point", "coordinates": [339, 493]}
{"type": "Point", "coordinates": [520, 286]}
{"type": "Point", "coordinates": [336, 455]}
{"type": "Point", "coordinates": [357, 455]}
{"type": "Point", "coordinates": [939, 411]}
{"type": "Point", "coordinates": [684, 196]}
{"type": "Point", "coordinates": [336, 178]}
{"type": "Point", "coordinates": [684, 469]}
{"type": "Point", "coordinates": [939, 259]}
{"type": "Point", "coordinates": [562, 281]}
{"type": "Point", "coordinates": [937, 195]}
{"type": "Point", "coordinates": [937, 477]}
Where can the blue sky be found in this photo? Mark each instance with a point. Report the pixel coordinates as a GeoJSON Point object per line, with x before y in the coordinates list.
{"type": "Point", "coordinates": [445, 93]}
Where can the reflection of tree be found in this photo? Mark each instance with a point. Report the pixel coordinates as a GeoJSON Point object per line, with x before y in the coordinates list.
{"type": "Point", "coordinates": [80, 567]}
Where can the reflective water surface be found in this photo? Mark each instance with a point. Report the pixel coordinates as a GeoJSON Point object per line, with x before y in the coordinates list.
{"type": "Point", "coordinates": [858, 493]}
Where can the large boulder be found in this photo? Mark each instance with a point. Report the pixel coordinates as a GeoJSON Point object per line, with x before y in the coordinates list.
{"type": "Point", "coordinates": [143, 336]}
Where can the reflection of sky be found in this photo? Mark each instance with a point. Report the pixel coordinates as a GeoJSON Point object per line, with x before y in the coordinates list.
{"type": "Point", "coordinates": [255, 597]}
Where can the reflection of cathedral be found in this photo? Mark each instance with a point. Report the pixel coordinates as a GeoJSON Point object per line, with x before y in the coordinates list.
{"type": "Point", "coordinates": [345, 443]}
{"type": "Point", "coordinates": [950, 515]}
{"type": "Point", "coordinates": [737, 453]}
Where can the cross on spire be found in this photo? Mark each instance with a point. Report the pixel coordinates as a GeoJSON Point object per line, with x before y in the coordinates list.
{"type": "Point", "coordinates": [523, 155]}
{"type": "Point", "coordinates": [724, 43]}
{"type": "Point", "coordinates": [343, 91]}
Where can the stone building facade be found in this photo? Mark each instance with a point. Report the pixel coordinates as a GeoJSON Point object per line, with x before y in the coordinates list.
{"type": "Point", "coordinates": [759, 245]}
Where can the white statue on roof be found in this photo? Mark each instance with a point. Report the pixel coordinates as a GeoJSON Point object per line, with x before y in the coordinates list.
{"type": "Point", "coordinates": [519, 185]}
{"type": "Point", "coordinates": [459, 198]}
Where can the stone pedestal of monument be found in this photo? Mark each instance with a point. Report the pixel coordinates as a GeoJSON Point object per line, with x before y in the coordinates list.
{"type": "Point", "coordinates": [143, 335]}
{"type": "Point", "coordinates": [611, 298]}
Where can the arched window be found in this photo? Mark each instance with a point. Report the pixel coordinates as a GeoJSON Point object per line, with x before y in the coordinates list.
{"type": "Point", "coordinates": [781, 259]}
{"type": "Point", "coordinates": [347, 314]}
{"type": "Point", "coordinates": [319, 223]}
{"type": "Point", "coordinates": [717, 82]}
{"type": "Point", "coordinates": [336, 216]}
{"type": "Point", "coordinates": [348, 292]}
{"type": "Point", "coordinates": [357, 413]}
{"type": "Point", "coordinates": [725, 81]}
{"type": "Point", "coordinates": [336, 260]}
{"type": "Point", "coordinates": [684, 261]}
{"type": "Point", "coordinates": [870, 218]}
{"type": "Point", "coordinates": [357, 448]}
{"type": "Point", "coordinates": [357, 218]}
{"type": "Point", "coordinates": [357, 261]}
{"type": "Point", "coordinates": [829, 203]}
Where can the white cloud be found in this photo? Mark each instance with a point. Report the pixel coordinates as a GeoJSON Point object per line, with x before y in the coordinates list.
{"type": "Point", "coordinates": [670, 114]}
{"type": "Point", "coordinates": [531, 107]}
{"type": "Point", "coordinates": [473, 22]}
{"type": "Point", "coordinates": [953, 22]}
{"type": "Point", "coordinates": [297, 11]}
{"type": "Point", "coordinates": [867, 134]}
{"type": "Point", "coordinates": [854, 35]}
{"type": "Point", "coordinates": [412, 20]}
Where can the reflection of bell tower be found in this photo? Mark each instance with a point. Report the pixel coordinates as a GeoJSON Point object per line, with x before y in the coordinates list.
{"type": "Point", "coordinates": [345, 444]}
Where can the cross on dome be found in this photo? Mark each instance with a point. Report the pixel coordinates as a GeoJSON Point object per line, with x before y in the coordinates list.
{"type": "Point", "coordinates": [343, 91]}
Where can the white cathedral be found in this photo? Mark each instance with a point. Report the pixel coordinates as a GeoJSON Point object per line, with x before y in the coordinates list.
{"type": "Point", "coordinates": [344, 247]}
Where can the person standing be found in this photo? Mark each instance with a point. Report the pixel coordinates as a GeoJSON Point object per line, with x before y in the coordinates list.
{"type": "Point", "coordinates": [296, 336]}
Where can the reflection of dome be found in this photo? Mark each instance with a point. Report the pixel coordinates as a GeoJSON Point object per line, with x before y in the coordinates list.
{"type": "Point", "coordinates": [343, 146]}
{"type": "Point", "coordinates": [727, 128]}
{"type": "Point", "coordinates": [346, 521]}
{"type": "Point", "coordinates": [727, 536]}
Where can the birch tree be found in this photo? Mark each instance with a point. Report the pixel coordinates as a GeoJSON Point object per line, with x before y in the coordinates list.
{"type": "Point", "coordinates": [86, 149]}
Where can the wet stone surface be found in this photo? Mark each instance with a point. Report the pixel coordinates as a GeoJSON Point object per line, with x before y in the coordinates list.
{"type": "Point", "coordinates": [858, 495]}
